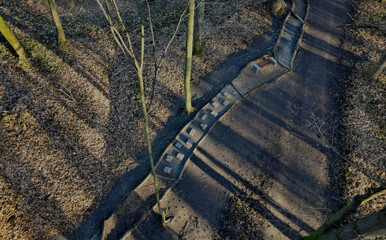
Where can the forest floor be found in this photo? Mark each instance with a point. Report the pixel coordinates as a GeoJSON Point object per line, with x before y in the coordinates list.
{"type": "Point", "coordinates": [70, 121]}
{"type": "Point", "coordinates": [364, 116]}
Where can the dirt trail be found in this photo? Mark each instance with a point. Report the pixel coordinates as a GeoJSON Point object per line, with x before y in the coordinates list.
{"type": "Point", "coordinates": [283, 133]}
{"type": "Point", "coordinates": [210, 85]}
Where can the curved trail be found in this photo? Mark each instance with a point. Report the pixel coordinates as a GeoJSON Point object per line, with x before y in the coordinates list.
{"type": "Point", "coordinates": [277, 131]}
{"type": "Point", "coordinates": [205, 90]}
{"type": "Point", "coordinates": [266, 132]}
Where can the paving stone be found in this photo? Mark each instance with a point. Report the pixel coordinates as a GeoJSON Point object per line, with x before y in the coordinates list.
{"type": "Point", "coordinates": [214, 113]}
{"type": "Point", "coordinates": [203, 117]}
{"type": "Point", "coordinates": [226, 102]}
{"type": "Point", "coordinates": [203, 126]}
{"type": "Point", "coordinates": [167, 170]}
{"type": "Point", "coordinates": [263, 63]}
{"type": "Point", "coordinates": [169, 158]}
{"type": "Point", "coordinates": [225, 94]}
{"type": "Point", "coordinates": [189, 143]}
{"type": "Point", "coordinates": [178, 145]}
{"type": "Point", "coordinates": [191, 131]}
{"type": "Point", "coordinates": [273, 60]}
{"type": "Point", "coordinates": [256, 68]}
{"type": "Point", "coordinates": [215, 104]}
{"type": "Point", "coordinates": [180, 156]}
{"type": "Point", "coordinates": [247, 80]}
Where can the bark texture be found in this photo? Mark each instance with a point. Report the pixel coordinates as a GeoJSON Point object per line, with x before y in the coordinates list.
{"type": "Point", "coordinates": [334, 219]}
{"type": "Point", "coordinates": [379, 68]}
{"type": "Point", "coordinates": [189, 52]}
{"type": "Point", "coordinates": [198, 28]}
{"type": "Point", "coordinates": [10, 37]}
{"type": "Point", "coordinates": [366, 228]}
{"type": "Point", "coordinates": [277, 7]}
{"type": "Point", "coordinates": [58, 23]}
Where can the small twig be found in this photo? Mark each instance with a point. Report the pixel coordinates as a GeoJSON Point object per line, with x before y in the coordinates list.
{"type": "Point", "coordinates": [315, 125]}
{"type": "Point", "coordinates": [351, 17]}
{"type": "Point", "coordinates": [363, 25]}
{"type": "Point", "coordinates": [67, 92]}
{"type": "Point", "coordinates": [182, 17]}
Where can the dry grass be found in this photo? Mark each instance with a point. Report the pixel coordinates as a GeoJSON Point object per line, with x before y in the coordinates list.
{"type": "Point", "coordinates": [70, 120]}
{"type": "Point", "coordinates": [364, 111]}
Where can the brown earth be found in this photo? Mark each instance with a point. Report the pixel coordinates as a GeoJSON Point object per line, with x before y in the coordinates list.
{"type": "Point", "coordinates": [364, 116]}
{"type": "Point", "coordinates": [70, 120]}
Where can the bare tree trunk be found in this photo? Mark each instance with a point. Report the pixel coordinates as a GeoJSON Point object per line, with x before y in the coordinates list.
{"type": "Point", "coordinates": [277, 7]}
{"type": "Point", "coordinates": [198, 28]}
{"type": "Point", "coordinates": [346, 211]}
{"type": "Point", "coordinates": [146, 121]}
{"type": "Point", "coordinates": [189, 53]}
{"type": "Point", "coordinates": [128, 50]}
{"type": "Point", "coordinates": [379, 68]}
{"type": "Point", "coordinates": [7, 33]}
{"type": "Point", "coordinates": [58, 23]}
{"type": "Point", "coordinates": [366, 228]}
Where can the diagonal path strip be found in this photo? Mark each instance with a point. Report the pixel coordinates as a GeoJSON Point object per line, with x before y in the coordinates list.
{"type": "Point", "coordinates": [263, 133]}
{"type": "Point", "coordinates": [267, 134]}
{"type": "Point", "coordinates": [173, 160]}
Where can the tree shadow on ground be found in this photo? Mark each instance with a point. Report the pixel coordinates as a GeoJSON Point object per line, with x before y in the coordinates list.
{"type": "Point", "coordinates": [287, 106]}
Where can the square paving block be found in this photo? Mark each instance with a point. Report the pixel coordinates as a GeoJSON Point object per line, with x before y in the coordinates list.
{"type": "Point", "coordinates": [178, 145]}
{"type": "Point", "coordinates": [167, 170]}
{"type": "Point", "coordinates": [215, 104]}
{"type": "Point", "coordinates": [180, 156]}
{"type": "Point", "coordinates": [256, 68]}
{"type": "Point", "coordinates": [204, 116]}
{"type": "Point", "coordinates": [225, 94]}
{"type": "Point", "coordinates": [203, 126]}
{"type": "Point", "coordinates": [214, 113]}
{"type": "Point", "coordinates": [191, 131]}
{"type": "Point", "coordinates": [169, 158]}
{"type": "Point", "coordinates": [226, 102]}
{"type": "Point", "coordinates": [189, 143]}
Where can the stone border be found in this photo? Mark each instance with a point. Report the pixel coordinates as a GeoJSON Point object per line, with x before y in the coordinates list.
{"type": "Point", "coordinates": [301, 33]}
{"type": "Point", "coordinates": [172, 161]}
{"type": "Point", "coordinates": [283, 28]}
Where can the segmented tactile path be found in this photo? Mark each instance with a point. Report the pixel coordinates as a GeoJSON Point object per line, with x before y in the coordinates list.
{"type": "Point", "coordinates": [174, 159]}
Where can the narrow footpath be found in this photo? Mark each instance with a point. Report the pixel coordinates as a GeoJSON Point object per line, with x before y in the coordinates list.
{"type": "Point", "coordinates": [283, 130]}
{"type": "Point", "coordinates": [274, 124]}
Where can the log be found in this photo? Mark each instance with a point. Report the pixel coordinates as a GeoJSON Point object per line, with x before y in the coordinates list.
{"type": "Point", "coordinates": [363, 25]}
{"type": "Point", "coordinates": [366, 228]}
{"type": "Point", "coordinates": [347, 210]}
{"type": "Point", "coordinates": [379, 68]}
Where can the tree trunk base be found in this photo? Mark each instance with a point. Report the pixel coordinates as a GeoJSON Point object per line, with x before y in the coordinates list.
{"type": "Point", "coordinates": [278, 8]}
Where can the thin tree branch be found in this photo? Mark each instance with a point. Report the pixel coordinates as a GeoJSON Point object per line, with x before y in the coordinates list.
{"type": "Point", "coordinates": [363, 25]}
{"type": "Point", "coordinates": [142, 45]}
